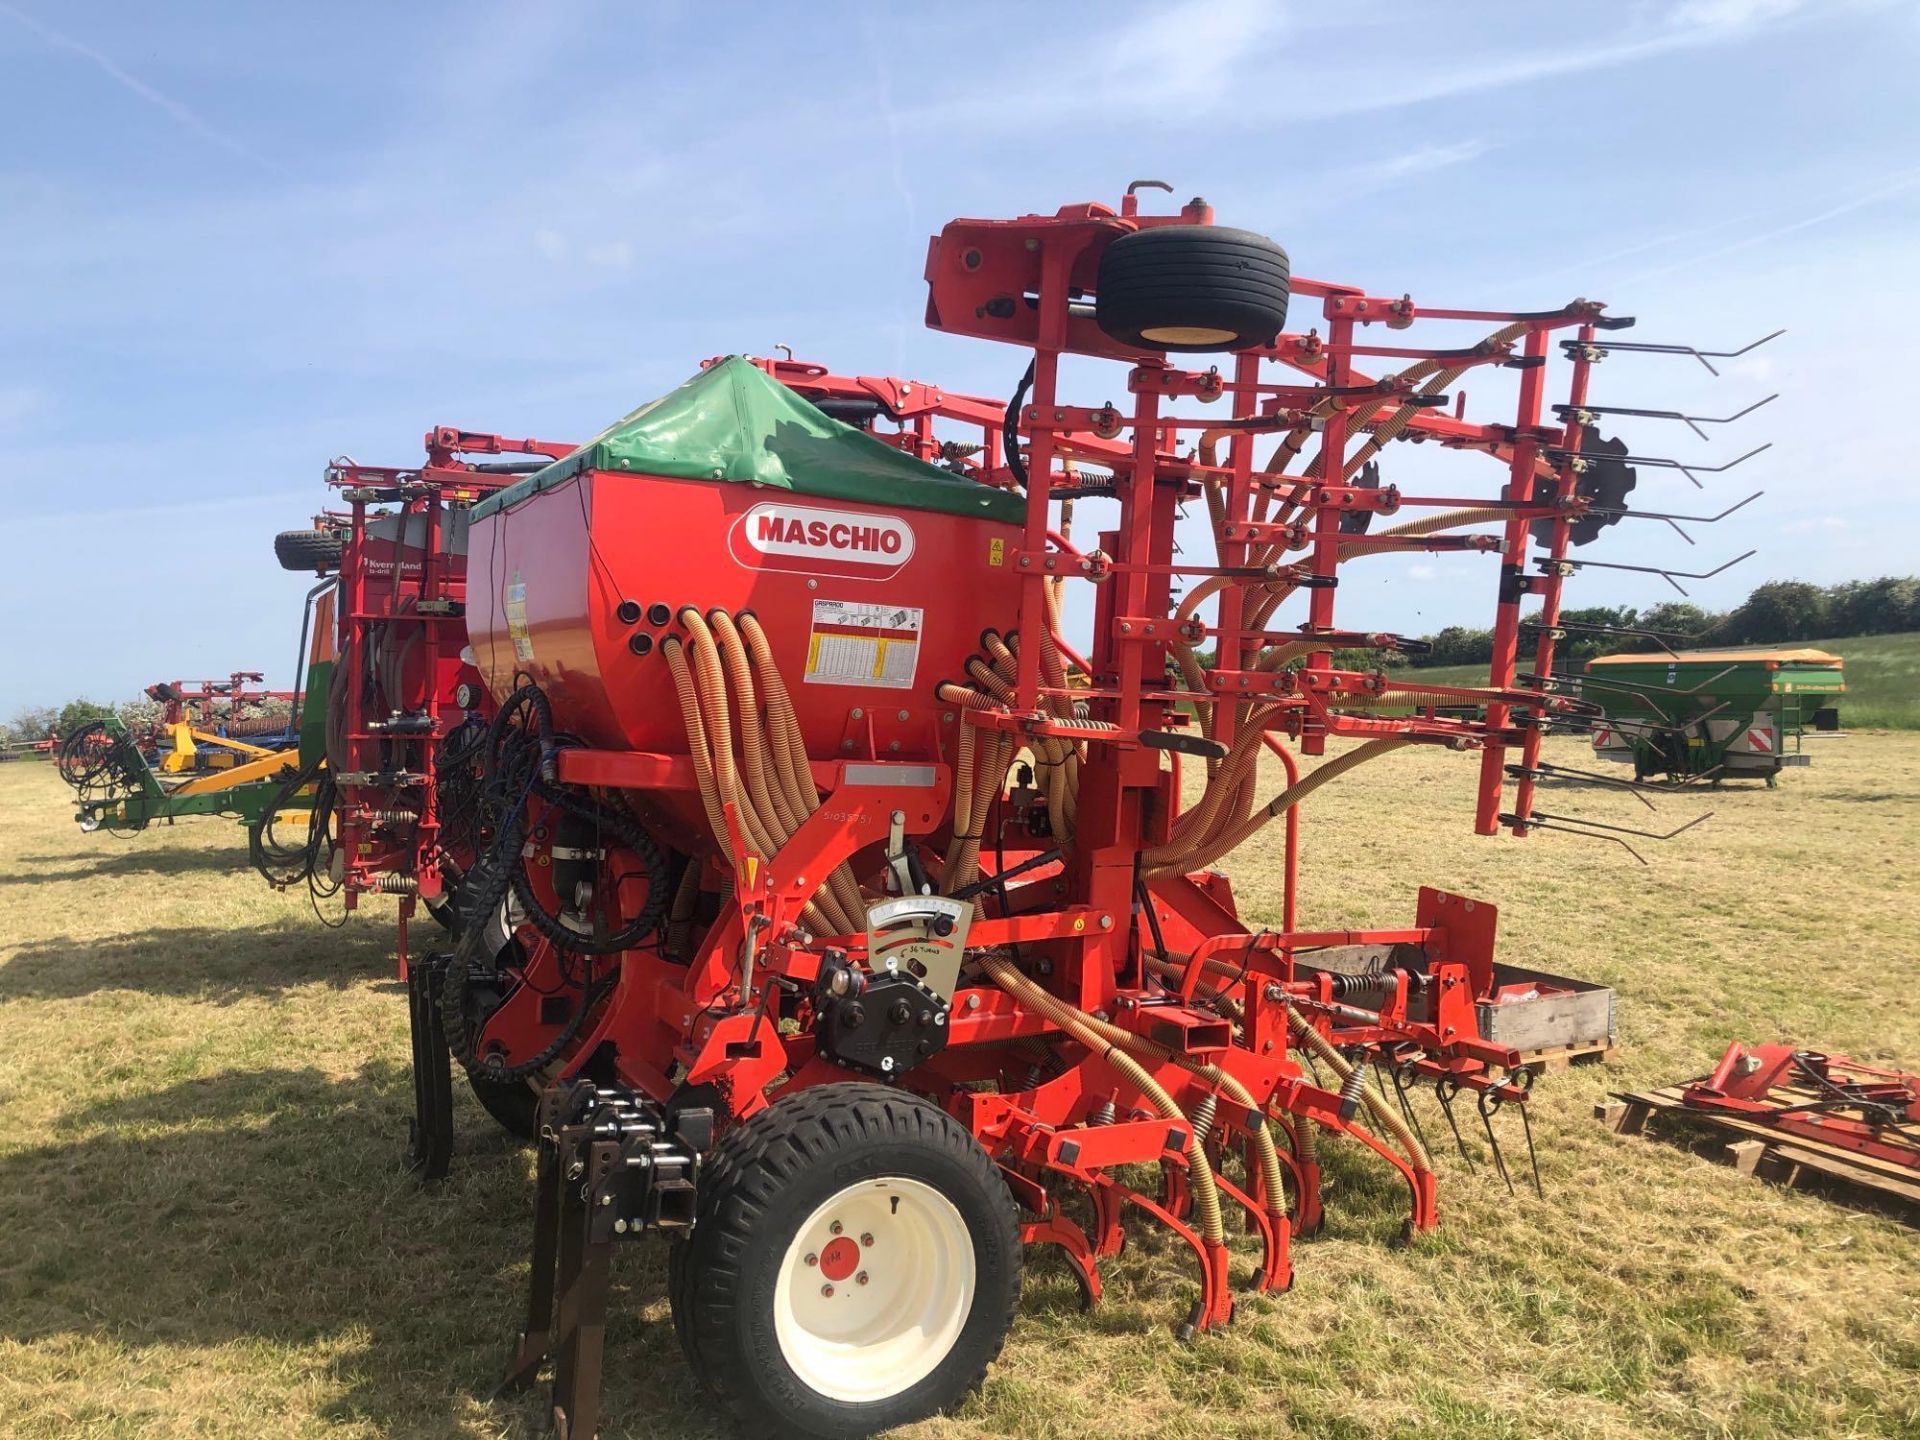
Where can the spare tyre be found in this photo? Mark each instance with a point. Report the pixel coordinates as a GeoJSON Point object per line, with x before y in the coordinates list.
{"type": "Point", "coordinates": [307, 550]}
{"type": "Point", "coordinates": [1192, 287]}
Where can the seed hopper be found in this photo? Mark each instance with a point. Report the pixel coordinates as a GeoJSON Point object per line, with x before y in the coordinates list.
{"type": "Point", "coordinates": [839, 879]}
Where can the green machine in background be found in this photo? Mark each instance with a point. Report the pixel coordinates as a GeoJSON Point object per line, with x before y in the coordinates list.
{"type": "Point", "coordinates": [118, 791]}
{"type": "Point", "coordinates": [1713, 714]}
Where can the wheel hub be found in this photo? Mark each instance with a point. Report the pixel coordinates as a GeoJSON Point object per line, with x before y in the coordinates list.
{"type": "Point", "coordinates": [875, 1289]}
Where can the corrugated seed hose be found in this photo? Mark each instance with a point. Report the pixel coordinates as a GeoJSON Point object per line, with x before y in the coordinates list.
{"type": "Point", "coordinates": [771, 788]}
{"type": "Point", "coordinates": [1183, 854]}
{"type": "Point", "coordinates": [1090, 1033]}
{"type": "Point", "coordinates": [1325, 1050]}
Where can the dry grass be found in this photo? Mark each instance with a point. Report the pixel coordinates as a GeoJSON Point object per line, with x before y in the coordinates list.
{"type": "Point", "coordinates": [207, 1231]}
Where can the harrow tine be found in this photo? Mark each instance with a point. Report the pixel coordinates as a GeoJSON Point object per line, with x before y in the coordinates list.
{"type": "Point", "coordinates": [1444, 1089]}
{"type": "Point", "coordinates": [1667, 575]}
{"type": "Point", "coordinates": [1661, 462]}
{"type": "Point", "coordinates": [1622, 512]}
{"type": "Point", "coordinates": [1493, 1141]}
{"type": "Point", "coordinates": [1585, 413]}
{"type": "Point", "coordinates": [1533, 1157]}
{"type": "Point", "coordinates": [1574, 349]}
{"type": "Point", "coordinates": [1402, 1077]}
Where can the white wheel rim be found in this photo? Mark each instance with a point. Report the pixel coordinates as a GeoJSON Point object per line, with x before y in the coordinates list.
{"type": "Point", "coordinates": [874, 1290]}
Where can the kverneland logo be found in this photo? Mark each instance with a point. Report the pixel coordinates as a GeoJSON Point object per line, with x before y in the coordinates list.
{"type": "Point", "coordinates": [838, 542]}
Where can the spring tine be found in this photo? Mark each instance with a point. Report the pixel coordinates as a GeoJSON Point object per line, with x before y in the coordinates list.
{"type": "Point", "coordinates": [1533, 1158]}
{"type": "Point", "coordinates": [1626, 514]}
{"type": "Point", "coordinates": [1622, 829]}
{"type": "Point", "coordinates": [1661, 462]}
{"type": "Point", "coordinates": [1664, 574]}
{"type": "Point", "coordinates": [1400, 1082]}
{"type": "Point", "coordinates": [1444, 1095]}
{"type": "Point", "coordinates": [1493, 1141]}
{"type": "Point", "coordinates": [1692, 422]}
{"type": "Point", "coordinates": [1543, 770]}
{"type": "Point", "coordinates": [1644, 347]}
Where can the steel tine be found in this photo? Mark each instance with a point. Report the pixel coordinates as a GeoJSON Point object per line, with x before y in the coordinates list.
{"type": "Point", "coordinates": [1533, 1158]}
{"type": "Point", "coordinates": [1400, 1084]}
{"type": "Point", "coordinates": [1444, 1095]}
{"type": "Point", "coordinates": [1493, 1141]}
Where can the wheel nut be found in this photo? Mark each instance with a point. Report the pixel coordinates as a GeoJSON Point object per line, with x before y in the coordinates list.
{"type": "Point", "coordinates": [827, 1290]}
{"type": "Point", "coordinates": [861, 1278]}
{"type": "Point", "coordinates": [813, 1259]}
{"type": "Point", "coordinates": [835, 1228]}
{"type": "Point", "coordinates": [866, 1241]}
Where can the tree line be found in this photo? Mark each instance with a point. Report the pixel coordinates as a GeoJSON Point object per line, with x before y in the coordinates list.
{"type": "Point", "coordinates": [1776, 613]}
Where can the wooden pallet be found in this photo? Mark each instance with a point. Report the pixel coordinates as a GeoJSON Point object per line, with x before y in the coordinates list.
{"type": "Point", "coordinates": [1769, 1153]}
{"type": "Point", "coordinates": [1565, 1057]}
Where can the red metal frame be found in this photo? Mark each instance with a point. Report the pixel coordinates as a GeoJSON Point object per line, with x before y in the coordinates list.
{"type": "Point", "coordinates": [400, 638]}
{"type": "Point", "coordinates": [1830, 1098]}
{"type": "Point", "coordinates": [1163, 957]}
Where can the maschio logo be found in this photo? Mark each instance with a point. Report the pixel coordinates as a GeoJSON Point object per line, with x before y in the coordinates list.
{"type": "Point", "coordinates": [821, 542]}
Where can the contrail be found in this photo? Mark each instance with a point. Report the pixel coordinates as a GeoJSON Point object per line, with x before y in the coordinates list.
{"type": "Point", "coordinates": [179, 112]}
{"type": "Point", "coordinates": [1874, 196]}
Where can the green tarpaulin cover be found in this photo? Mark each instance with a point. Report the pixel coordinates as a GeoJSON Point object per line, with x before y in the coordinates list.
{"type": "Point", "coordinates": [735, 423]}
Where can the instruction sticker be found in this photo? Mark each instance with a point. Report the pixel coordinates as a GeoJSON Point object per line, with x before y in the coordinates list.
{"type": "Point", "coordinates": [517, 619]}
{"type": "Point", "coordinates": [862, 643]}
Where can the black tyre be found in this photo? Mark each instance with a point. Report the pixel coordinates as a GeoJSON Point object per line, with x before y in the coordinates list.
{"type": "Point", "coordinates": [854, 1266]}
{"type": "Point", "coordinates": [307, 550]}
{"type": "Point", "coordinates": [1192, 287]}
{"type": "Point", "coordinates": [514, 1103]}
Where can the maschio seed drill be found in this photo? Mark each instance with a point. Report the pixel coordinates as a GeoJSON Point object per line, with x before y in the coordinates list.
{"type": "Point", "coordinates": [855, 928]}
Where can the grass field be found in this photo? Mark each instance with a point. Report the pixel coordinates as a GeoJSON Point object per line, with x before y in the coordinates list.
{"type": "Point", "coordinates": [1883, 679]}
{"type": "Point", "coordinates": [207, 1230]}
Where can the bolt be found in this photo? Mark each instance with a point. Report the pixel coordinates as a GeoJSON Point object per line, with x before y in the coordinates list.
{"type": "Point", "coordinates": [835, 1228]}
{"type": "Point", "coordinates": [973, 1002]}
{"type": "Point", "coordinates": [620, 1227]}
{"type": "Point", "coordinates": [813, 1260]}
{"type": "Point", "coordinates": [827, 1290]}
{"type": "Point", "coordinates": [856, 712]}
{"type": "Point", "coordinates": [1106, 922]}
{"type": "Point", "coordinates": [861, 1278]}
{"type": "Point", "coordinates": [1267, 1049]}
{"type": "Point", "coordinates": [902, 715]}
{"type": "Point", "coordinates": [866, 1239]}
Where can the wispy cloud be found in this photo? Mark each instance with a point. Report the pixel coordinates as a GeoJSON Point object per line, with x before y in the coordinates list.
{"type": "Point", "coordinates": [1899, 184]}
{"type": "Point", "coordinates": [1188, 51]}
{"type": "Point", "coordinates": [1729, 14]}
{"type": "Point", "coordinates": [18, 403]}
{"type": "Point", "coordinates": [178, 111]}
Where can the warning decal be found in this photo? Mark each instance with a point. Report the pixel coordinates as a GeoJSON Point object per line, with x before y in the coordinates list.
{"type": "Point", "coordinates": [863, 643]}
{"type": "Point", "coordinates": [517, 619]}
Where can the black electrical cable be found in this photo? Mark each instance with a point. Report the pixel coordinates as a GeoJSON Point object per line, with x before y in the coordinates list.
{"type": "Point", "coordinates": [521, 766]}
{"type": "Point", "coordinates": [1010, 428]}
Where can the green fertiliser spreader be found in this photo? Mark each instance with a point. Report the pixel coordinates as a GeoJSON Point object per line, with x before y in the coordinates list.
{"type": "Point", "coordinates": [1713, 714]}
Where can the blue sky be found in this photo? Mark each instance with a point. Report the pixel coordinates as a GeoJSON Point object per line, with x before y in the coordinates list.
{"type": "Point", "coordinates": [241, 240]}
